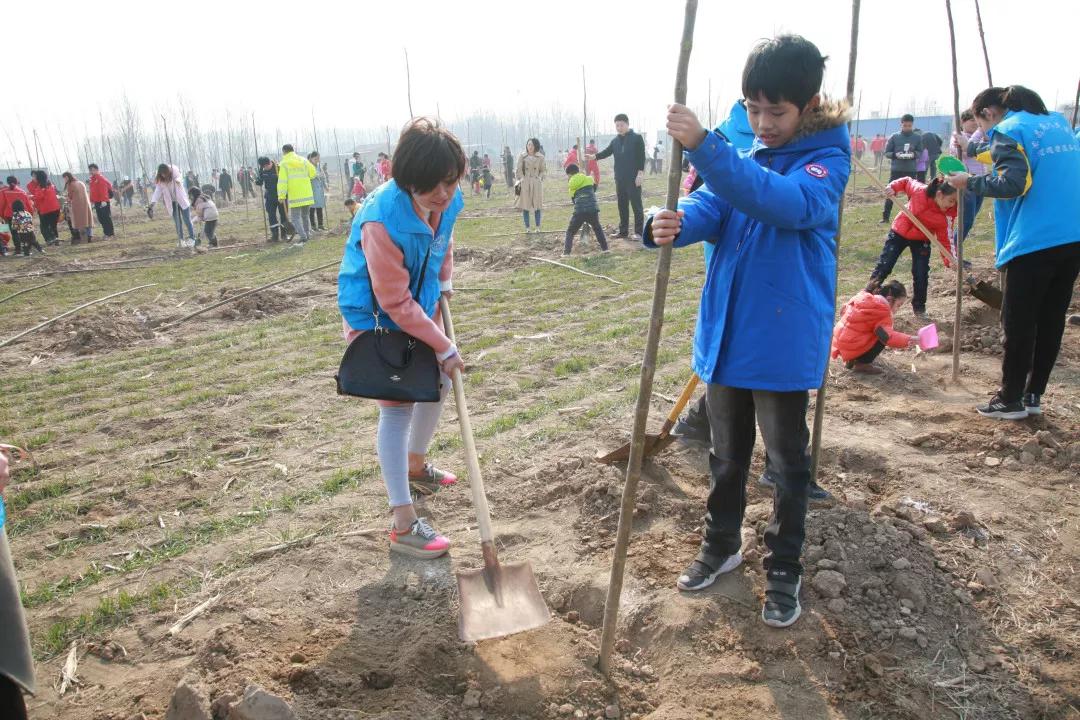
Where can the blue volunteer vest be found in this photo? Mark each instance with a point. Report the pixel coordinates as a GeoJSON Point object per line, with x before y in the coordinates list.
{"type": "Point", "coordinates": [393, 207]}
{"type": "Point", "coordinates": [1048, 214]}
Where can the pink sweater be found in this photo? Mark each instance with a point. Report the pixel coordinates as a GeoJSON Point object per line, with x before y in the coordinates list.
{"type": "Point", "coordinates": [390, 281]}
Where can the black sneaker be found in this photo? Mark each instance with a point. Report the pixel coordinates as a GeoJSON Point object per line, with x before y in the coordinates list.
{"type": "Point", "coordinates": [1033, 404]}
{"type": "Point", "coordinates": [691, 434]}
{"type": "Point", "coordinates": [705, 568]}
{"type": "Point", "coordinates": [998, 408]}
{"type": "Point", "coordinates": [816, 493]}
{"type": "Point", "coordinates": [781, 607]}
{"type": "Point", "coordinates": [883, 221]}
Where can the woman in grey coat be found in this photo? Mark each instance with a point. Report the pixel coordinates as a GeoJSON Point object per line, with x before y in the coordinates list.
{"type": "Point", "coordinates": [16, 662]}
{"type": "Point", "coordinates": [318, 189]}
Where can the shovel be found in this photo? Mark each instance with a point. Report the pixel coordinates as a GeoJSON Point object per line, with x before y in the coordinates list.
{"type": "Point", "coordinates": [655, 443]}
{"type": "Point", "coordinates": [499, 599]}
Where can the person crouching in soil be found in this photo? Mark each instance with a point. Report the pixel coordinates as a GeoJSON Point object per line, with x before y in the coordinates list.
{"type": "Point", "coordinates": [207, 213]}
{"type": "Point", "coordinates": [408, 219]}
{"type": "Point", "coordinates": [866, 327]}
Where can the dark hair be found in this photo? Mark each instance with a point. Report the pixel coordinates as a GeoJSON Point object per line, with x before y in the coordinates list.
{"type": "Point", "coordinates": [92, 166]}
{"type": "Point", "coordinates": [938, 185]}
{"type": "Point", "coordinates": [536, 144]}
{"type": "Point", "coordinates": [349, 201]}
{"type": "Point", "coordinates": [12, 180]}
{"type": "Point", "coordinates": [287, 148]}
{"type": "Point", "coordinates": [967, 115]}
{"type": "Point", "coordinates": [263, 161]}
{"type": "Point", "coordinates": [786, 68]}
{"type": "Point", "coordinates": [622, 117]}
{"type": "Point", "coordinates": [907, 117]}
{"type": "Point", "coordinates": [572, 169]}
{"type": "Point", "coordinates": [162, 169]}
{"type": "Point", "coordinates": [41, 177]}
{"type": "Point", "coordinates": [313, 153]}
{"type": "Point", "coordinates": [592, 141]}
{"type": "Point", "coordinates": [1014, 97]}
{"type": "Point", "coordinates": [194, 193]}
{"type": "Point", "coordinates": [17, 206]}
{"type": "Point", "coordinates": [891, 289]}
{"type": "Point", "coordinates": [68, 177]}
{"type": "Point", "coordinates": [426, 155]}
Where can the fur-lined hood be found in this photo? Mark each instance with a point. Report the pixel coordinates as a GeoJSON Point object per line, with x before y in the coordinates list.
{"type": "Point", "coordinates": [823, 127]}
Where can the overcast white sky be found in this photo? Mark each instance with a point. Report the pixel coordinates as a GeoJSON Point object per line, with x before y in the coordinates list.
{"type": "Point", "coordinates": [344, 60]}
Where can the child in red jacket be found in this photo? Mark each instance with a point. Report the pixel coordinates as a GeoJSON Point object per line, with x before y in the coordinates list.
{"type": "Point", "coordinates": [935, 206]}
{"type": "Point", "coordinates": [866, 327]}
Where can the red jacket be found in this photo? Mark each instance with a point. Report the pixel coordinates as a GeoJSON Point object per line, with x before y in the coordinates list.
{"type": "Point", "coordinates": [45, 198]}
{"type": "Point", "coordinates": [99, 188]}
{"type": "Point", "coordinates": [856, 332]}
{"type": "Point", "coordinates": [923, 207]}
{"type": "Point", "coordinates": [877, 144]}
{"type": "Point", "coordinates": [594, 167]}
{"type": "Point", "coordinates": [8, 195]}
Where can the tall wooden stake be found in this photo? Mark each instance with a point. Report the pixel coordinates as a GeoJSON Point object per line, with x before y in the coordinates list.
{"type": "Point", "coordinates": [982, 37]}
{"type": "Point", "coordinates": [648, 369]}
{"type": "Point", "coordinates": [408, 83]}
{"type": "Point", "coordinates": [168, 145]}
{"type": "Point", "coordinates": [888, 108]}
{"type": "Point", "coordinates": [112, 161]}
{"type": "Point", "coordinates": [1076, 104]}
{"type": "Point", "coordinates": [819, 404]}
{"type": "Point", "coordinates": [255, 138]}
{"type": "Point", "coordinates": [959, 250]}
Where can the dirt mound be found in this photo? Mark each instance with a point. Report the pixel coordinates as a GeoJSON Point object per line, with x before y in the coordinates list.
{"type": "Point", "coordinates": [105, 328]}
{"type": "Point", "coordinates": [253, 307]}
{"type": "Point", "coordinates": [505, 258]}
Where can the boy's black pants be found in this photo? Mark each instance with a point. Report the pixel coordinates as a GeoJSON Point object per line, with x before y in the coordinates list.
{"type": "Point", "coordinates": [782, 418]}
{"type": "Point", "coordinates": [104, 216]}
{"type": "Point", "coordinates": [867, 357]}
{"type": "Point", "coordinates": [894, 175]}
{"type": "Point", "coordinates": [576, 221]}
{"type": "Point", "coordinates": [1038, 290]}
{"type": "Point", "coordinates": [920, 265]}
{"type": "Point", "coordinates": [627, 195]}
{"type": "Point", "coordinates": [313, 213]}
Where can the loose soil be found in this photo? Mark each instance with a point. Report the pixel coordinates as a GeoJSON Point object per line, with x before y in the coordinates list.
{"type": "Point", "coordinates": [938, 580]}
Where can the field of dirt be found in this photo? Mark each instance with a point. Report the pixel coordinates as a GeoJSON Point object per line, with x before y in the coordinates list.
{"type": "Point", "coordinates": [209, 465]}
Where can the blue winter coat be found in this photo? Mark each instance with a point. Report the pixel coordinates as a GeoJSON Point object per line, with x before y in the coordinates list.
{"type": "Point", "coordinates": [318, 189]}
{"type": "Point", "coordinates": [736, 128]}
{"type": "Point", "coordinates": [767, 306]}
{"type": "Point", "coordinates": [393, 207]}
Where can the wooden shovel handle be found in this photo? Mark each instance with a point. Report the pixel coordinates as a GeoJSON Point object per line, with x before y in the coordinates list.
{"type": "Point", "coordinates": [680, 405]}
{"type": "Point", "coordinates": [472, 462]}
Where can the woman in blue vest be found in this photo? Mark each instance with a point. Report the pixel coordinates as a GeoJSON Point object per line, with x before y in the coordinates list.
{"type": "Point", "coordinates": [403, 223]}
{"type": "Point", "coordinates": [1035, 184]}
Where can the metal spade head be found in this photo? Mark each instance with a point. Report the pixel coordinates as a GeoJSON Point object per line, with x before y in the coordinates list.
{"type": "Point", "coordinates": [499, 600]}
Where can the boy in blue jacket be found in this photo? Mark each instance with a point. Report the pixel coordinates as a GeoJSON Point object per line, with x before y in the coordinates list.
{"type": "Point", "coordinates": [763, 329]}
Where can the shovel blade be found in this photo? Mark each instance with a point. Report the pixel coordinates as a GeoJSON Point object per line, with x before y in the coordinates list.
{"type": "Point", "coordinates": [987, 293]}
{"type": "Point", "coordinates": [500, 600]}
{"type": "Point", "coordinates": [653, 445]}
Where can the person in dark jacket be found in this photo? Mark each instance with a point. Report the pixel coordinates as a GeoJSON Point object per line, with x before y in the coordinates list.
{"type": "Point", "coordinates": [225, 183]}
{"type": "Point", "coordinates": [275, 211]}
{"type": "Point", "coordinates": [931, 143]}
{"type": "Point", "coordinates": [586, 209]}
{"type": "Point", "coordinates": [629, 150]}
{"type": "Point", "coordinates": [903, 150]}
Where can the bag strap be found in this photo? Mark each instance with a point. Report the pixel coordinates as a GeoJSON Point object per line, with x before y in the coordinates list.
{"type": "Point", "coordinates": [419, 286]}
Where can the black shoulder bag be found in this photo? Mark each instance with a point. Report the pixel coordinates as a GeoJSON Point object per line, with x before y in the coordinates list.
{"type": "Point", "coordinates": [385, 364]}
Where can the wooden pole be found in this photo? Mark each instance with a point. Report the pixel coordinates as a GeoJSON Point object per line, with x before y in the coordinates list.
{"type": "Point", "coordinates": [408, 83]}
{"type": "Point", "coordinates": [1076, 104]}
{"type": "Point", "coordinates": [888, 108]}
{"type": "Point", "coordinates": [120, 205]}
{"type": "Point", "coordinates": [168, 145]}
{"type": "Point", "coordinates": [648, 370]}
{"type": "Point", "coordinates": [982, 37]}
{"type": "Point", "coordinates": [819, 402]}
{"type": "Point", "coordinates": [61, 316]}
{"type": "Point", "coordinates": [255, 138]}
{"type": "Point", "coordinates": [959, 250]}
{"type": "Point", "coordinates": [30, 289]}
